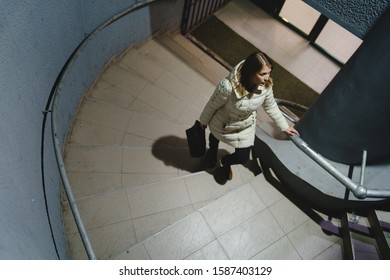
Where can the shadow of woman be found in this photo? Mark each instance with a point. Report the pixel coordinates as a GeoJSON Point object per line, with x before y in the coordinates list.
{"type": "Point", "coordinates": [173, 151]}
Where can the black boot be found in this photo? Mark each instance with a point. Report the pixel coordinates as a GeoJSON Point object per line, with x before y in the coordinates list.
{"type": "Point", "coordinates": [228, 172]}
{"type": "Point", "coordinates": [223, 174]}
{"type": "Point", "coordinates": [211, 157]}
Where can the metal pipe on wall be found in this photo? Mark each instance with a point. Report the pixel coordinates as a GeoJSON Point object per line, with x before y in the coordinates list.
{"type": "Point", "coordinates": [55, 137]}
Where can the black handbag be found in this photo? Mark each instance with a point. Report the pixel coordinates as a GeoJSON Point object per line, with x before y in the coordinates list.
{"type": "Point", "coordinates": [196, 139]}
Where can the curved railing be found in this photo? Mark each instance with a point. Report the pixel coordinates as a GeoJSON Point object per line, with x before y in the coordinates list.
{"type": "Point", "coordinates": [55, 96]}
{"type": "Point", "coordinates": [358, 189]}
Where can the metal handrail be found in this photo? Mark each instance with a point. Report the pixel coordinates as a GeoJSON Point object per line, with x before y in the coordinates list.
{"type": "Point", "coordinates": [56, 95]}
{"type": "Point", "coordinates": [358, 190]}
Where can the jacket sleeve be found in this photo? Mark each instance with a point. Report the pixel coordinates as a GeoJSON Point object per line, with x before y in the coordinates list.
{"type": "Point", "coordinates": [271, 108]}
{"type": "Point", "coordinates": [216, 101]}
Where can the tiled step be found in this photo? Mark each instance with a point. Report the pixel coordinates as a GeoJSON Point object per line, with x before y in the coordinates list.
{"type": "Point", "coordinates": [179, 240]}
{"type": "Point", "coordinates": [238, 225]}
{"type": "Point", "coordinates": [152, 80]}
{"type": "Point", "coordinates": [194, 56]}
{"type": "Point", "coordinates": [120, 211]}
{"type": "Point", "coordinates": [156, 206]}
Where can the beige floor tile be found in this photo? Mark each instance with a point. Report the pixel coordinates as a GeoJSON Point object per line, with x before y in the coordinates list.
{"type": "Point", "coordinates": [129, 81]}
{"type": "Point", "coordinates": [280, 250]}
{"type": "Point", "coordinates": [88, 184]}
{"type": "Point", "coordinates": [212, 251]}
{"type": "Point", "coordinates": [158, 53]}
{"type": "Point", "coordinates": [107, 92]}
{"type": "Point", "coordinates": [268, 194]}
{"type": "Point", "coordinates": [209, 72]}
{"type": "Point", "coordinates": [300, 13]}
{"type": "Point", "coordinates": [334, 252]}
{"type": "Point", "coordinates": [193, 52]}
{"type": "Point", "coordinates": [201, 101]}
{"type": "Point", "coordinates": [76, 247]}
{"type": "Point", "coordinates": [146, 67]}
{"type": "Point", "coordinates": [287, 40]}
{"type": "Point", "coordinates": [316, 82]}
{"type": "Point", "coordinates": [159, 197]}
{"type": "Point", "coordinates": [194, 79]}
{"type": "Point", "coordinates": [104, 114]}
{"type": "Point", "coordinates": [142, 160]}
{"type": "Point", "coordinates": [142, 107]}
{"type": "Point", "coordinates": [149, 225]}
{"type": "Point", "coordinates": [137, 252]}
{"type": "Point", "coordinates": [162, 100]}
{"type": "Point", "coordinates": [203, 187]}
{"type": "Point", "coordinates": [181, 239]}
{"type": "Point", "coordinates": [288, 215]}
{"type": "Point", "coordinates": [338, 41]}
{"type": "Point", "coordinates": [251, 237]}
{"type": "Point", "coordinates": [131, 140]}
{"type": "Point", "coordinates": [306, 56]}
{"type": "Point", "coordinates": [177, 87]}
{"type": "Point", "coordinates": [138, 179]}
{"type": "Point", "coordinates": [107, 209]}
{"type": "Point", "coordinates": [110, 240]}
{"type": "Point", "coordinates": [87, 133]}
{"type": "Point", "coordinates": [199, 205]}
{"type": "Point", "coordinates": [233, 13]}
{"type": "Point", "coordinates": [154, 128]}
{"type": "Point", "coordinates": [93, 159]}
{"type": "Point", "coordinates": [310, 240]}
{"type": "Point", "coordinates": [295, 65]}
{"type": "Point", "coordinates": [254, 31]}
{"type": "Point", "coordinates": [189, 115]}
{"type": "Point", "coordinates": [325, 69]}
{"type": "Point", "coordinates": [232, 209]}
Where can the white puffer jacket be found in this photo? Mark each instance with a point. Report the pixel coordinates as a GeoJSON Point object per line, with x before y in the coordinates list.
{"type": "Point", "coordinates": [231, 111]}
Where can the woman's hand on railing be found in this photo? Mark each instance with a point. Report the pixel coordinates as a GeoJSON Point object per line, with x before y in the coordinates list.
{"type": "Point", "coordinates": [291, 131]}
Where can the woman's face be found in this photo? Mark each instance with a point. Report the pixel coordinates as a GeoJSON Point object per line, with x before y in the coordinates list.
{"type": "Point", "coordinates": [261, 77]}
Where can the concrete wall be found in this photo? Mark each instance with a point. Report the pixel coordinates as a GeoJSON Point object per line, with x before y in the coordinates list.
{"type": "Point", "coordinates": [356, 16]}
{"type": "Point", "coordinates": [352, 113]}
{"type": "Point", "coordinates": [37, 38]}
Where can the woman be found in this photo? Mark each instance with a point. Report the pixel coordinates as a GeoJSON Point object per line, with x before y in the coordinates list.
{"type": "Point", "coordinates": [231, 111]}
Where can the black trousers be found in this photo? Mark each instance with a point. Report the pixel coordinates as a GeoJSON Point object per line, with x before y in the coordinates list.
{"type": "Point", "coordinates": [240, 155]}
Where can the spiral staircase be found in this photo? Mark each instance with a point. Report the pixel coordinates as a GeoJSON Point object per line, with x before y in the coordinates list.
{"type": "Point", "coordinates": [140, 194]}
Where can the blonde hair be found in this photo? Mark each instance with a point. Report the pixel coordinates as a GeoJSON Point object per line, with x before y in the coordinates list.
{"type": "Point", "coordinates": [253, 64]}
